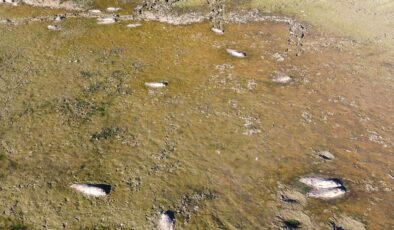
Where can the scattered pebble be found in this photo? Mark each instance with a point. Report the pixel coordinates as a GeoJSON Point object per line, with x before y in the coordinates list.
{"type": "Point", "coordinates": [217, 31]}
{"type": "Point", "coordinates": [324, 188]}
{"type": "Point", "coordinates": [156, 85]}
{"type": "Point", "coordinates": [166, 221]}
{"type": "Point", "coordinates": [95, 11]}
{"type": "Point", "coordinates": [54, 27]}
{"type": "Point", "coordinates": [113, 9]}
{"type": "Point", "coordinates": [326, 155]}
{"type": "Point", "coordinates": [95, 190]}
{"type": "Point", "coordinates": [135, 25]}
{"type": "Point", "coordinates": [278, 57]}
{"type": "Point", "coordinates": [281, 78]}
{"type": "Point", "coordinates": [307, 116]}
{"type": "Point", "coordinates": [252, 84]}
{"type": "Point", "coordinates": [106, 21]}
{"type": "Point", "coordinates": [236, 53]}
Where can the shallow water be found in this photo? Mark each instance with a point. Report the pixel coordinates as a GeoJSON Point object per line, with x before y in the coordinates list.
{"type": "Point", "coordinates": [215, 146]}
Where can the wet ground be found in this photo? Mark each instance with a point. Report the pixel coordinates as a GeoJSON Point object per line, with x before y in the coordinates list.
{"type": "Point", "coordinates": [216, 145]}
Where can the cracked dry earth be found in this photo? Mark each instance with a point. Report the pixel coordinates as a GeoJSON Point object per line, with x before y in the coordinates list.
{"type": "Point", "coordinates": [222, 145]}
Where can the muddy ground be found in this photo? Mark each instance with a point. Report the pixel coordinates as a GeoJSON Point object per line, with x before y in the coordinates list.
{"type": "Point", "coordinates": [222, 146]}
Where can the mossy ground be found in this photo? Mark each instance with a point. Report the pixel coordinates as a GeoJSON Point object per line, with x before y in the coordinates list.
{"type": "Point", "coordinates": [184, 147]}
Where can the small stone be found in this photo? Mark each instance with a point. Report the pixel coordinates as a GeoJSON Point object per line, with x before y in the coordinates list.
{"type": "Point", "coordinates": [217, 31]}
{"type": "Point", "coordinates": [59, 18]}
{"type": "Point", "coordinates": [134, 25]}
{"type": "Point", "coordinates": [106, 21]}
{"type": "Point", "coordinates": [95, 11]}
{"type": "Point", "coordinates": [156, 85]}
{"type": "Point", "coordinates": [281, 78]}
{"type": "Point", "coordinates": [95, 190]}
{"type": "Point", "coordinates": [54, 27]}
{"type": "Point", "coordinates": [113, 9]}
{"type": "Point", "coordinates": [326, 155]}
{"type": "Point", "coordinates": [236, 53]}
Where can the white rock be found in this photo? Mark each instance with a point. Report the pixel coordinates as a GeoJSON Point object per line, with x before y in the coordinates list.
{"type": "Point", "coordinates": [326, 155]}
{"type": "Point", "coordinates": [95, 11]}
{"type": "Point", "coordinates": [236, 53]}
{"type": "Point", "coordinates": [106, 21]}
{"type": "Point", "coordinates": [54, 27]}
{"type": "Point", "coordinates": [321, 183]}
{"type": "Point", "coordinates": [135, 25]}
{"type": "Point", "coordinates": [156, 85]}
{"type": "Point", "coordinates": [324, 188]}
{"type": "Point", "coordinates": [166, 222]}
{"type": "Point", "coordinates": [113, 9]}
{"type": "Point", "coordinates": [217, 31]}
{"type": "Point", "coordinates": [281, 78]}
{"type": "Point", "coordinates": [59, 18]}
{"type": "Point", "coordinates": [91, 190]}
{"type": "Point", "coordinates": [328, 193]}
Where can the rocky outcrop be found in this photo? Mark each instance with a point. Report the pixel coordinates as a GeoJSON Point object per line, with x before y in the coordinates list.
{"type": "Point", "coordinates": [69, 5]}
{"type": "Point", "coordinates": [217, 13]}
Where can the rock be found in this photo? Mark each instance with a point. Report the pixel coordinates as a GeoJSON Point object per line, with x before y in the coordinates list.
{"type": "Point", "coordinates": [113, 9]}
{"type": "Point", "coordinates": [156, 85]}
{"type": "Point", "coordinates": [135, 25]}
{"type": "Point", "coordinates": [5, 21]}
{"type": "Point", "coordinates": [95, 190]}
{"type": "Point", "coordinates": [106, 21]}
{"type": "Point", "coordinates": [290, 219]}
{"type": "Point", "coordinates": [54, 27]}
{"type": "Point", "coordinates": [59, 18]}
{"type": "Point", "coordinates": [321, 183]}
{"type": "Point", "coordinates": [324, 188]}
{"type": "Point", "coordinates": [236, 53]}
{"type": "Point", "coordinates": [292, 198]}
{"type": "Point", "coordinates": [326, 155]}
{"type": "Point", "coordinates": [329, 193]}
{"type": "Point", "coordinates": [166, 221]}
{"type": "Point", "coordinates": [94, 11]}
{"type": "Point", "coordinates": [281, 78]}
{"type": "Point", "coordinates": [217, 31]}
{"type": "Point", "coordinates": [346, 223]}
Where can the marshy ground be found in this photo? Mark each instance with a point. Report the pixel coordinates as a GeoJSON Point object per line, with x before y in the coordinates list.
{"type": "Point", "coordinates": [219, 146]}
